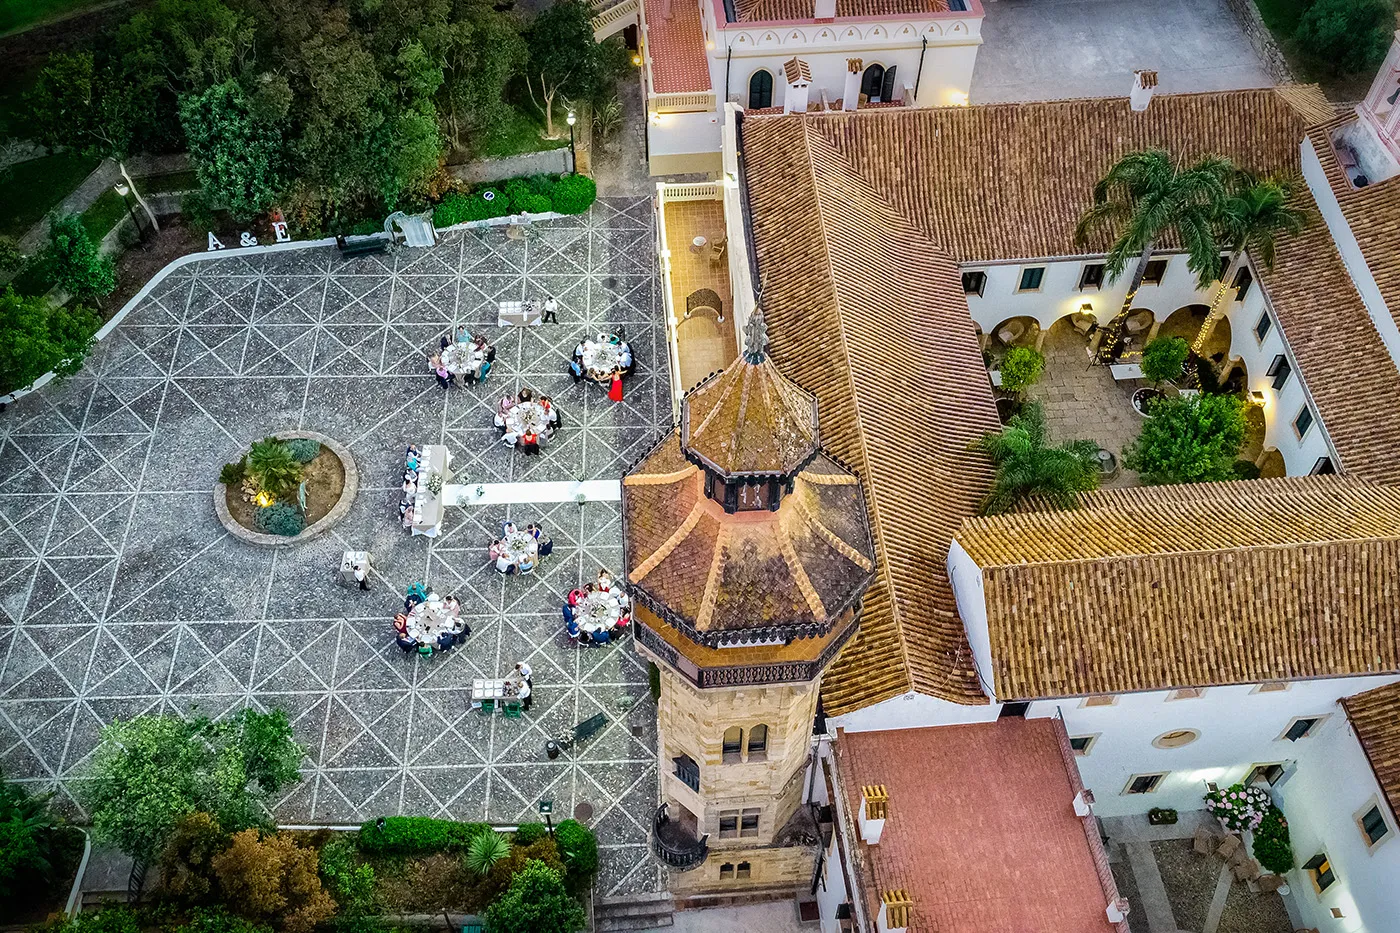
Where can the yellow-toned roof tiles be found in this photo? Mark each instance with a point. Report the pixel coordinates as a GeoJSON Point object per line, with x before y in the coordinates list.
{"type": "Point", "coordinates": [749, 419]}
{"type": "Point", "coordinates": [1190, 586]}
{"type": "Point", "coordinates": [1375, 717]}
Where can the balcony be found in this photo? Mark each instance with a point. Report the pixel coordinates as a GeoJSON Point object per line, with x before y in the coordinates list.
{"type": "Point", "coordinates": [674, 845]}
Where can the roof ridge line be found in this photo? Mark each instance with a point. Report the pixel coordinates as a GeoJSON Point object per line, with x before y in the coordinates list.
{"type": "Point", "coordinates": [1184, 552]}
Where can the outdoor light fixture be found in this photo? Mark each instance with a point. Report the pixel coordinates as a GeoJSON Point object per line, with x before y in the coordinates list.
{"type": "Point", "coordinates": [637, 59]}
{"type": "Point", "coordinates": [572, 118]}
{"type": "Point", "coordinates": [1086, 308]}
{"type": "Point", "coordinates": [264, 499]}
{"type": "Point", "coordinates": [122, 189]}
{"type": "Point", "coordinates": [1258, 397]}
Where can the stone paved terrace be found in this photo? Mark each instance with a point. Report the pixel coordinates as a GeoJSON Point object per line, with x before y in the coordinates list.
{"type": "Point", "coordinates": [120, 593]}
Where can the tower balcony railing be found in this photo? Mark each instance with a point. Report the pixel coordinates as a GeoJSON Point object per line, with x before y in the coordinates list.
{"type": "Point", "coordinates": [740, 675]}
{"type": "Point", "coordinates": [673, 845]}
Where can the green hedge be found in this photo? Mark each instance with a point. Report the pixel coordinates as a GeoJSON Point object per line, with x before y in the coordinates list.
{"type": "Point", "coordinates": [411, 835]}
{"type": "Point", "coordinates": [535, 194]}
{"type": "Point", "coordinates": [574, 194]}
{"type": "Point", "coordinates": [1271, 843]}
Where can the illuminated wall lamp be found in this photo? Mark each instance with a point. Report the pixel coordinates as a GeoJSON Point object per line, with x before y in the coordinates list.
{"type": "Point", "coordinates": [1258, 397]}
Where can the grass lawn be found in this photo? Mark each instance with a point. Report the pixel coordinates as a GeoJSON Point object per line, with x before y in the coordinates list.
{"type": "Point", "coordinates": [522, 133]}
{"type": "Point", "coordinates": [31, 189]}
{"type": "Point", "coordinates": [17, 14]}
{"type": "Point", "coordinates": [1282, 16]}
{"type": "Point", "coordinates": [104, 214]}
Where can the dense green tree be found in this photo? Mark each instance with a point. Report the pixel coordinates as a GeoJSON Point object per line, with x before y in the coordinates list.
{"type": "Point", "coordinates": [481, 49]}
{"type": "Point", "coordinates": [1347, 36]}
{"type": "Point", "coordinates": [237, 154]}
{"type": "Point", "coordinates": [535, 902]}
{"type": "Point", "coordinates": [74, 262]}
{"type": "Point", "coordinates": [36, 338]}
{"type": "Point", "coordinates": [26, 837]}
{"type": "Point", "coordinates": [1028, 469]}
{"type": "Point", "coordinates": [565, 60]}
{"type": "Point", "coordinates": [1190, 439]}
{"type": "Point", "coordinates": [152, 771]}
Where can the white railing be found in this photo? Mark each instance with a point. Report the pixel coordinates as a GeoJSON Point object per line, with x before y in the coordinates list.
{"type": "Point", "coordinates": [681, 102]}
{"type": "Point", "coordinates": [663, 252]}
{"type": "Point", "coordinates": [615, 18]}
{"type": "Point", "coordinates": [699, 191]}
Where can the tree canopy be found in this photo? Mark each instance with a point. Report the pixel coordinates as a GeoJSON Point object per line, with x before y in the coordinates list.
{"type": "Point", "coordinates": [1189, 439]}
{"type": "Point", "coordinates": [1028, 469]}
{"type": "Point", "coordinates": [40, 338]}
{"type": "Point", "coordinates": [535, 902]}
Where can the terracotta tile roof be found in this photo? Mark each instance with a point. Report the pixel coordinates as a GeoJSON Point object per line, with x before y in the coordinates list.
{"type": "Point", "coordinates": [766, 11]}
{"type": "Point", "coordinates": [676, 47]}
{"type": "Point", "coordinates": [980, 830]}
{"type": "Point", "coordinates": [802, 565]}
{"type": "Point", "coordinates": [795, 69]}
{"type": "Point", "coordinates": [866, 313]}
{"type": "Point", "coordinates": [1191, 586]}
{"type": "Point", "coordinates": [749, 419]}
{"type": "Point", "coordinates": [1375, 715]}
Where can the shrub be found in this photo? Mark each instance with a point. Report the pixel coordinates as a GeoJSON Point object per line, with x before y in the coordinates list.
{"type": "Point", "coordinates": [186, 866]}
{"type": "Point", "coordinates": [1271, 843]}
{"type": "Point", "coordinates": [352, 885]}
{"type": "Point", "coordinates": [27, 838]}
{"type": "Point", "coordinates": [542, 851]}
{"type": "Point", "coordinates": [536, 902]}
{"type": "Point", "coordinates": [484, 851]}
{"type": "Point", "coordinates": [516, 191]}
{"type": "Point", "coordinates": [232, 473]}
{"type": "Point", "coordinates": [1193, 439]}
{"type": "Point", "coordinates": [578, 847]}
{"type": "Point", "coordinates": [272, 466]}
{"type": "Point", "coordinates": [1164, 359]}
{"type": "Point", "coordinates": [574, 194]}
{"type": "Point", "coordinates": [303, 449]}
{"type": "Point", "coordinates": [219, 920]}
{"type": "Point", "coordinates": [194, 207]}
{"type": "Point", "coordinates": [452, 211]}
{"type": "Point", "coordinates": [108, 920]}
{"type": "Point", "coordinates": [411, 835]}
{"type": "Point", "coordinates": [272, 879]}
{"type": "Point", "coordinates": [1347, 36]}
{"type": "Point", "coordinates": [279, 519]}
{"type": "Point", "coordinates": [529, 833]}
{"type": "Point", "coordinates": [40, 338]}
{"type": "Point", "coordinates": [530, 203]}
{"type": "Point", "coordinates": [1239, 807]}
{"type": "Point", "coordinates": [1021, 368]}
{"type": "Point", "coordinates": [74, 262]}
{"type": "Point", "coordinates": [11, 256]}
{"type": "Point", "coordinates": [543, 185]}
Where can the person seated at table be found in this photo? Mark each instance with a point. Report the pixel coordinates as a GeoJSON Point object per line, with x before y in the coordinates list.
{"type": "Point", "coordinates": [408, 516]}
{"type": "Point", "coordinates": [576, 370]}
{"type": "Point", "coordinates": [464, 634]}
{"type": "Point", "coordinates": [463, 335]}
{"type": "Point", "coordinates": [444, 377]}
{"type": "Point", "coordinates": [482, 371]}
{"type": "Point", "coordinates": [504, 564]}
{"type": "Point", "coordinates": [453, 607]}
{"type": "Point", "coordinates": [502, 408]}
{"type": "Point", "coordinates": [527, 563]}
{"type": "Point", "coordinates": [530, 445]}
{"type": "Point", "coordinates": [605, 580]}
{"type": "Point", "coordinates": [406, 645]}
{"type": "Point", "coordinates": [572, 628]}
{"type": "Point", "coordinates": [546, 544]}
{"type": "Point", "coordinates": [510, 439]}
{"type": "Point", "coordinates": [401, 624]}
{"type": "Point", "coordinates": [569, 618]}
{"type": "Point", "coordinates": [601, 636]}
{"type": "Point", "coordinates": [446, 641]}
{"type": "Point", "coordinates": [410, 488]}
{"type": "Point", "coordinates": [508, 527]}
{"type": "Point", "coordinates": [526, 396]}
{"type": "Point", "coordinates": [625, 359]}
{"type": "Point", "coordinates": [576, 596]}
{"type": "Point", "coordinates": [496, 549]}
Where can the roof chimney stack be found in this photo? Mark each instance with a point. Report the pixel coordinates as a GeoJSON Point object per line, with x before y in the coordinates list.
{"type": "Point", "coordinates": [1144, 82]}
{"type": "Point", "coordinates": [850, 97]}
{"type": "Point", "coordinates": [799, 82]}
{"type": "Point", "coordinates": [894, 912]}
{"type": "Point", "coordinates": [874, 810]}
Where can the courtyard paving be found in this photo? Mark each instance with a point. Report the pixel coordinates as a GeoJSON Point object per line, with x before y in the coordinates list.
{"type": "Point", "coordinates": [120, 593]}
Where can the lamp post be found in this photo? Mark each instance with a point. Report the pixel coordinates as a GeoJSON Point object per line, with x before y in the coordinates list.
{"type": "Point", "coordinates": [571, 119]}
{"type": "Point", "coordinates": [124, 190]}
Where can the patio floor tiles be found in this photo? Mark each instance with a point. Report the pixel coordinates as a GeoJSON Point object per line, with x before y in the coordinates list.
{"type": "Point", "coordinates": [120, 594]}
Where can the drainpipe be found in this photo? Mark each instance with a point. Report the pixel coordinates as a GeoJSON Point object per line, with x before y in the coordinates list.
{"type": "Point", "coordinates": [729, 60]}
{"type": "Point", "coordinates": [918, 78]}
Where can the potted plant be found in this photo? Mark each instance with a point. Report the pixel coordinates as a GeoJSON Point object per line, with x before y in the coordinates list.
{"type": "Point", "coordinates": [1161, 816]}
{"type": "Point", "coordinates": [1021, 368]}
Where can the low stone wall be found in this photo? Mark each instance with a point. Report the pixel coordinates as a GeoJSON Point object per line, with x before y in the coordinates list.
{"type": "Point", "coordinates": [552, 162]}
{"type": "Point", "coordinates": [1261, 40]}
{"type": "Point", "coordinates": [314, 530]}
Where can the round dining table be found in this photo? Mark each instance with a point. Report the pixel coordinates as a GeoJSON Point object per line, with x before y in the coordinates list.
{"type": "Point", "coordinates": [431, 619]}
{"type": "Point", "coordinates": [526, 418]}
{"type": "Point", "coordinates": [462, 358]}
{"type": "Point", "coordinates": [602, 357]}
{"type": "Point", "coordinates": [601, 610]}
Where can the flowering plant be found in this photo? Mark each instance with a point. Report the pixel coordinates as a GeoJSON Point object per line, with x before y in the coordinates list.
{"type": "Point", "coordinates": [1239, 807]}
{"type": "Point", "coordinates": [434, 482]}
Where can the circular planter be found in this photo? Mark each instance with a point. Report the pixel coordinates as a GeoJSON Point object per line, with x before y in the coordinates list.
{"type": "Point", "coordinates": [348, 489]}
{"type": "Point", "coordinates": [1108, 463]}
{"type": "Point", "coordinates": [1144, 397]}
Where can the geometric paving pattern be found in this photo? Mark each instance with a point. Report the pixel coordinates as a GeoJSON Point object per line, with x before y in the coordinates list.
{"type": "Point", "coordinates": [120, 593]}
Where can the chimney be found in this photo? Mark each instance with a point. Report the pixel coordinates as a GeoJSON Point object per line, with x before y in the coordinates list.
{"type": "Point", "coordinates": [1083, 801]}
{"type": "Point", "coordinates": [799, 83]}
{"type": "Point", "coordinates": [850, 98]}
{"type": "Point", "coordinates": [874, 810]}
{"type": "Point", "coordinates": [1117, 910]}
{"type": "Point", "coordinates": [894, 912]}
{"type": "Point", "coordinates": [824, 11]}
{"type": "Point", "coordinates": [1143, 84]}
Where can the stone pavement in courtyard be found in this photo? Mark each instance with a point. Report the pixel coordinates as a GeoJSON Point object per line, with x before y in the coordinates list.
{"type": "Point", "coordinates": [120, 593]}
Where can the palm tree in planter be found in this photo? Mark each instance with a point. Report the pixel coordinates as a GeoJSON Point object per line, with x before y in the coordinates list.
{"type": "Point", "coordinates": [1146, 196]}
{"type": "Point", "coordinates": [1256, 214]}
{"type": "Point", "coordinates": [1029, 470]}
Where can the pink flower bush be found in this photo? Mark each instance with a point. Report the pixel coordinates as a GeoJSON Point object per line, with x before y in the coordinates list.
{"type": "Point", "coordinates": [1239, 807]}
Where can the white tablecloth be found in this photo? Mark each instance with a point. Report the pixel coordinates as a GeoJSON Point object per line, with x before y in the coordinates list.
{"type": "Point", "coordinates": [429, 620]}
{"type": "Point", "coordinates": [427, 507]}
{"type": "Point", "coordinates": [462, 358]}
{"type": "Point", "coordinates": [526, 418]}
{"type": "Point", "coordinates": [488, 689]}
{"type": "Point", "coordinates": [521, 544]}
{"type": "Point", "coordinates": [601, 358]}
{"type": "Point", "coordinates": [600, 610]}
{"type": "Point", "coordinates": [517, 313]}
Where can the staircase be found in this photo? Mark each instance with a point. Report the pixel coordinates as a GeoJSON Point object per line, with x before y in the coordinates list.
{"type": "Point", "coordinates": [634, 912]}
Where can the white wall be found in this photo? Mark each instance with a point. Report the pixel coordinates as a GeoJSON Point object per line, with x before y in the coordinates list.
{"type": "Point", "coordinates": [1333, 782]}
{"type": "Point", "coordinates": [911, 711]}
{"type": "Point", "coordinates": [1238, 727]}
{"type": "Point", "coordinates": [971, 597]}
{"type": "Point", "coordinates": [831, 893]}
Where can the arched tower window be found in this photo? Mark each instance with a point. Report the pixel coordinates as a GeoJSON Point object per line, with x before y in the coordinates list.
{"type": "Point", "coordinates": [758, 741]}
{"type": "Point", "coordinates": [733, 743]}
{"type": "Point", "coordinates": [871, 83]}
{"type": "Point", "coordinates": [760, 89]}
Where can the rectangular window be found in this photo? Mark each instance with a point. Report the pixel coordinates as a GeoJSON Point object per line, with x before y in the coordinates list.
{"type": "Point", "coordinates": [1320, 870]}
{"type": "Point", "coordinates": [1081, 744]}
{"type": "Point", "coordinates": [1303, 422]}
{"type": "Point", "coordinates": [1144, 783]}
{"type": "Point", "coordinates": [1187, 693]}
{"type": "Point", "coordinates": [1224, 267]}
{"type": "Point", "coordinates": [748, 823]}
{"type": "Point", "coordinates": [688, 771]}
{"type": "Point", "coordinates": [1263, 326]}
{"type": "Point", "coordinates": [1269, 774]}
{"type": "Point", "coordinates": [1243, 279]}
{"type": "Point", "coordinates": [1300, 727]}
{"type": "Point", "coordinates": [1032, 277]}
{"type": "Point", "coordinates": [1091, 276]}
{"type": "Point", "coordinates": [1323, 467]}
{"type": "Point", "coordinates": [1280, 371]}
{"type": "Point", "coordinates": [974, 283]}
{"type": "Point", "coordinates": [726, 871]}
{"type": "Point", "coordinates": [1373, 825]}
{"type": "Point", "coordinates": [1103, 700]}
{"type": "Point", "coordinates": [758, 742]}
{"type": "Point", "coordinates": [732, 744]}
{"type": "Point", "coordinates": [1154, 273]}
{"type": "Point", "coordinates": [729, 824]}
{"type": "Point", "coordinates": [743, 871]}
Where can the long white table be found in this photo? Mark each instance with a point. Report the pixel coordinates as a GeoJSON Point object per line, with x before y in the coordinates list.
{"type": "Point", "coordinates": [427, 507]}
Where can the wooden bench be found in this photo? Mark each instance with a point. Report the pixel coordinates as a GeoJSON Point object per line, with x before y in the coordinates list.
{"type": "Point", "coordinates": [366, 246]}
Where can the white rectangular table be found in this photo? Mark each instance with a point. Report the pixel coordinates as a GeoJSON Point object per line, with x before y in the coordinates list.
{"type": "Point", "coordinates": [1123, 371]}
{"type": "Point", "coordinates": [427, 507]}
{"type": "Point", "coordinates": [515, 313]}
{"type": "Point", "coordinates": [487, 689]}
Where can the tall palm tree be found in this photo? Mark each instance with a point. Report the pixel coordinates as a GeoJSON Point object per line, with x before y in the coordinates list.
{"type": "Point", "coordinates": [1028, 470]}
{"type": "Point", "coordinates": [1144, 197]}
{"type": "Point", "coordinates": [1257, 212]}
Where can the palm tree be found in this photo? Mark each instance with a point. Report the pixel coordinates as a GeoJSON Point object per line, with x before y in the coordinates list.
{"type": "Point", "coordinates": [1028, 470]}
{"type": "Point", "coordinates": [1145, 196]}
{"type": "Point", "coordinates": [1252, 218]}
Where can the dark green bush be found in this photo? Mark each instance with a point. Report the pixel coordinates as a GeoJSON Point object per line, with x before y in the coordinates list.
{"type": "Point", "coordinates": [303, 449]}
{"type": "Point", "coordinates": [574, 194]}
{"type": "Point", "coordinates": [1347, 36]}
{"type": "Point", "coordinates": [410, 835]}
{"type": "Point", "coordinates": [542, 185]}
{"type": "Point", "coordinates": [532, 204]}
{"type": "Point", "coordinates": [452, 211]}
{"type": "Point", "coordinates": [351, 884]}
{"type": "Point", "coordinates": [527, 833]}
{"type": "Point", "coordinates": [232, 473]}
{"type": "Point", "coordinates": [578, 848]}
{"type": "Point", "coordinates": [218, 920]}
{"type": "Point", "coordinates": [272, 466]}
{"type": "Point", "coordinates": [1271, 844]}
{"type": "Point", "coordinates": [279, 519]}
{"type": "Point", "coordinates": [516, 191]}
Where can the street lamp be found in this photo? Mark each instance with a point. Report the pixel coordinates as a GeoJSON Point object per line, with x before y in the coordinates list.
{"type": "Point", "coordinates": [571, 119]}
{"type": "Point", "coordinates": [124, 190]}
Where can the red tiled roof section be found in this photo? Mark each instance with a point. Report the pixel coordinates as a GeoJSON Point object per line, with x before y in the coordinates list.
{"type": "Point", "coordinates": [1375, 716]}
{"type": "Point", "coordinates": [981, 831]}
{"type": "Point", "coordinates": [866, 313]}
{"type": "Point", "coordinates": [749, 419]}
{"type": "Point", "coordinates": [770, 11]}
{"type": "Point", "coordinates": [676, 47]}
